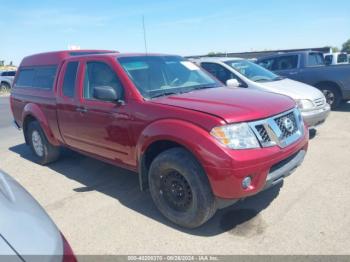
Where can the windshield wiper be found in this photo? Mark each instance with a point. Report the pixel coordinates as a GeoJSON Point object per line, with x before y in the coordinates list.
{"type": "Point", "coordinates": [278, 78]}
{"type": "Point", "coordinates": [198, 88]}
{"type": "Point", "coordinates": [165, 94]}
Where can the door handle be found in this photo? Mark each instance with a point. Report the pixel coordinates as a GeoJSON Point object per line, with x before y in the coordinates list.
{"type": "Point", "coordinates": [81, 109]}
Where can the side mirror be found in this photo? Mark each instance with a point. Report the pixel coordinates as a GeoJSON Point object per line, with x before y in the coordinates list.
{"type": "Point", "coordinates": [105, 93]}
{"type": "Point", "coordinates": [232, 83]}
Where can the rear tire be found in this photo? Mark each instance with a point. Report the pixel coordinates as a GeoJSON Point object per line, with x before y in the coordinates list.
{"type": "Point", "coordinates": [180, 188]}
{"type": "Point", "coordinates": [332, 94]}
{"type": "Point", "coordinates": [44, 152]}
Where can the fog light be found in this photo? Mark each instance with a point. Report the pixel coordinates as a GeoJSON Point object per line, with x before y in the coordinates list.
{"type": "Point", "coordinates": [246, 182]}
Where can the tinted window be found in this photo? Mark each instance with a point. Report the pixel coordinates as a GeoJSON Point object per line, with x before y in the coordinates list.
{"type": "Point", "coordinates": [219, 72]}
{"type": "Point", "coordinates": [328, 59]}
{"type": "Point", "coordinates": [342, 58]}
{"type": "Point", "coordinates": [315, 59]}
{"type": "Point", "coordinates": [285, 62]}
{"type": "Point", "coordinates": [44, 77]}
{"type": "Point", "coordinates": [100, 74]}
{"type": "Point", "coordinates": [69, 79]}
{"type": "Point", "coordinates": [25, 78]}
{"type": "Point", "coordinates": [267, 63]}
{"type": "Point", "coordinates": [12, 73]}
{"type": "Point", "coordinates": [37, 77]}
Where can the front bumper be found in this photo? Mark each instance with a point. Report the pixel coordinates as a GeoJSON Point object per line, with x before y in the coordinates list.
{"type": "Point", "coordinates": [316, 117]}
{"type": "Point", "coordinates": [285, 168]}
{"type": "Point", "coordinates": [266, 167]}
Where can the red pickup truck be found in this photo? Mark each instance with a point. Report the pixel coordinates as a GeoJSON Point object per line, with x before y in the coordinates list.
{"type": "Point", "coordinates": [196, 145]}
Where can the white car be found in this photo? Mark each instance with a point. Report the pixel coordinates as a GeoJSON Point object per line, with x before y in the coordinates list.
{"type": "Point", "coordinates": [26, 232]}
{"type": "Point", "coordinates": [6, 79]}
{"type": "Point", "coordinates": [335, 58]}
{"type": "Point", "coordinates": [237, 72]}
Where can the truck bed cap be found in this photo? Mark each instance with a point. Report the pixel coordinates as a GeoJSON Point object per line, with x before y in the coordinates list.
{"type": "Point", "coordinates": [54, 58]}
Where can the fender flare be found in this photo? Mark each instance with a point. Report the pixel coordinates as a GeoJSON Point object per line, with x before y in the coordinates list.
{"type": "Point", "coordinates": [34, 111]}
{"type": "Point", "coordinates": [188, 135]}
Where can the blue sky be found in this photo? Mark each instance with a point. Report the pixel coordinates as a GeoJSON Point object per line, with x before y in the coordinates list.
{"type": "Point", "coordinates": [172, 26]}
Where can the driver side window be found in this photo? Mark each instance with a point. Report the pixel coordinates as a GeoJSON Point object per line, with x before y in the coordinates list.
{"type": "Point", "coordinates": [220, 72]}
{"type": "Point", "coordinates": [100, 74]}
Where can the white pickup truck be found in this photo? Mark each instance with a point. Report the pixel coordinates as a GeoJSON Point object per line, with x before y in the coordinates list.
{"type": "Point", "coordinates": [6, 79]}
{"type": "Point", "coordinates": [336, 58]}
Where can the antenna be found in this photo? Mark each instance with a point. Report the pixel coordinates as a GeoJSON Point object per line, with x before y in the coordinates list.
{"type": "Point", "coordinates": [144, 33]}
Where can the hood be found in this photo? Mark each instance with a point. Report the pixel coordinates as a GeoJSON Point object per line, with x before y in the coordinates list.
{"type": "Point", "coordinates": [232, 105]}
{"type": "Point", "coordinates": [294, 89]}
{"type": "Point", "coordinates": [25, 225]}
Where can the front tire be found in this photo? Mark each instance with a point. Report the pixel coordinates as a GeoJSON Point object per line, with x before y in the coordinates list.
{"type": "Point", "coordinates": [44, 152]}
{"type": "Point", "coordinates": [5, 87]}
{"type": "Point", "coordinates": [180, 188]}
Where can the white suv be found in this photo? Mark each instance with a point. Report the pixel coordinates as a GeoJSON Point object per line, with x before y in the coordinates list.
{"type": "Point", "coordinates": [238, 72]}
{"type": "Point", "coordinates": [6, 79]}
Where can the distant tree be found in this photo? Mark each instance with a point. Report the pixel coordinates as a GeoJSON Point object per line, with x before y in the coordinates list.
{"type": "Point", "coordinates": [335, 49]}
{"type": "Point", "coordinates": [346, 47]}
{"type": "Point", "coordinates": [215, 54]}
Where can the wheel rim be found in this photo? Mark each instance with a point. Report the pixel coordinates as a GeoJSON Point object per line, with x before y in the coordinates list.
{"type": "Point", "coordinates": [330, 97]}
{"type": "Point", "coordinates": [37, 143]}
{"type": "Point", "coordinates": [176, 191]}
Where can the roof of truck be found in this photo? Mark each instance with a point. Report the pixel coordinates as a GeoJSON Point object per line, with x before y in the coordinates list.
{"type": "Point", "coordinates": [304, 52]}
{"type": "Point", "coordinates": [53, 58]}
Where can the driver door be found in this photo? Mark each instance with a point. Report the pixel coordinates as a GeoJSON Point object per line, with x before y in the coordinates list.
{"type": "Point", "coordinates": [104, 125]}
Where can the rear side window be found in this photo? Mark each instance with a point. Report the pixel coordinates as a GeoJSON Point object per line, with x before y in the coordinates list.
{"type": "Point", "coordinates": [25, 78]}
{"type": "Point", "coordinates": [36, 77]}
{"type": "Point", "coordinates": [69, 79]}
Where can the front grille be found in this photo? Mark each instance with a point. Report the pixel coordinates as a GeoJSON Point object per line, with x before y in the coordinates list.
{"type": "Point", "coordinates": [281, 122]}
{"type": "Point", "coordinates": [263, 133]}
{"type": "Point", "coordinates": [282, 130]}
{"type": "Point", "coordinates": [320, 102]}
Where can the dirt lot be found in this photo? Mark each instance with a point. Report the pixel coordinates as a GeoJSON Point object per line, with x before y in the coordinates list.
{"type": "Point", "coordinates": [100, 209]}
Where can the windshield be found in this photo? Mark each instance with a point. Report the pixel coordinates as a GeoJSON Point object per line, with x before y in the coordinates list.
{"type": "Point", "coordinates": [253, 71]}
{"type": "Point", "coordinates": [165, 75]}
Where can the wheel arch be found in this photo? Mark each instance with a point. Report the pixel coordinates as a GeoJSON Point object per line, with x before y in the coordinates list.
{"type": "Point", "coordinates": [32, 112]}
{"type": "Point", "coordinates": [166, 134]}
{"type": "Point", "coordinates": [326, 83]}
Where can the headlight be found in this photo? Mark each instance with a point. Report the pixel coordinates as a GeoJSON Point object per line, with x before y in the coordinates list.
{"type": "Point", "coordinates": [235, 136]}
{"type": "Point", "coordinates": [305, 104]}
